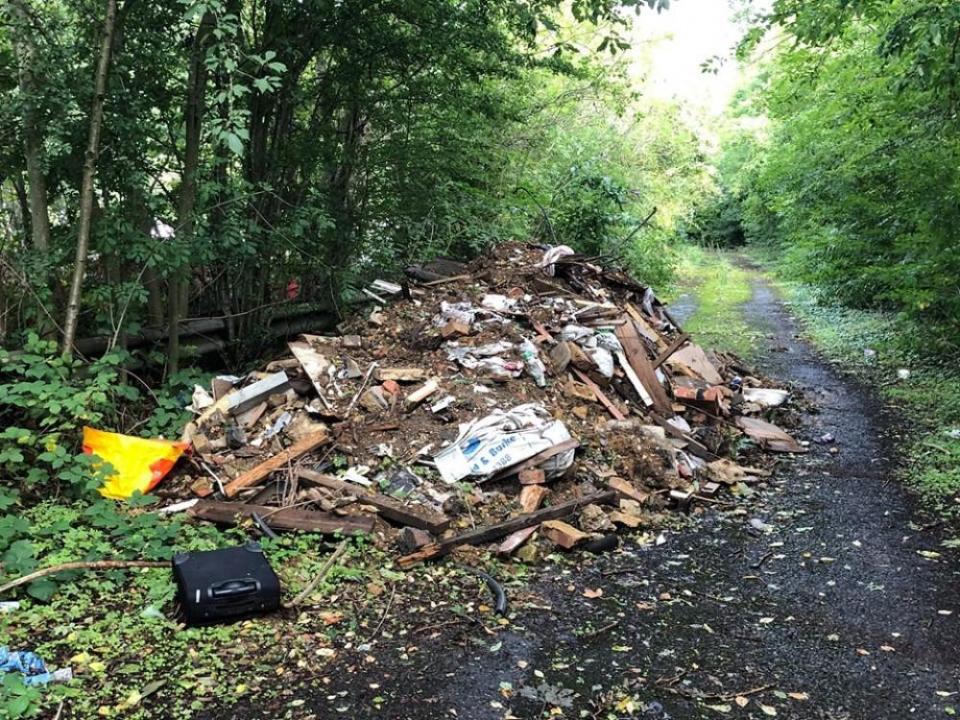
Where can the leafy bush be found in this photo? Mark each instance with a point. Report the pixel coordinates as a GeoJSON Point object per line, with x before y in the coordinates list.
{"type": "Point", "coordinates": [854, 177]}
{"type": "Point", "coordinates": [45, 400]}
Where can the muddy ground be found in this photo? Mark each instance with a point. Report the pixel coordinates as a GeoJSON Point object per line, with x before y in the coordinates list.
{"type": "Point", "coordinates": [817, 602]}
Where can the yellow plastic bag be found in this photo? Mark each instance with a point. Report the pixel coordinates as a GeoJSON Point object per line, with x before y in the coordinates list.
{"type": "Point", "coordinates": [140, 464]}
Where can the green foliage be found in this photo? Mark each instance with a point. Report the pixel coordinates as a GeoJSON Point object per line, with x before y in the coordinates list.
{"type": "Point", "coordinates": [17, 700]}
{"type": "Point", "coordinates": [45, 400]}
{"type": "Point", "coordinates": [117, 629]}
{"type": "Point", "coordinates": [338, 141]}
{"type": "Point", "coordinates": [853, 177]}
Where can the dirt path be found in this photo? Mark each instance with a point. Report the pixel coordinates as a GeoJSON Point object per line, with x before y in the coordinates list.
{"type": "Point", "coordinates": [824, 595]}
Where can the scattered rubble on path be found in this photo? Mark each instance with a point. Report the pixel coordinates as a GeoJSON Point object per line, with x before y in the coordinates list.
{"type": "Point", "coordinates": [532, 393]}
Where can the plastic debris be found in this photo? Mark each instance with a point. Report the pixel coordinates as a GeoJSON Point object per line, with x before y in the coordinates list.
{"type": "Point", "coordinates": [32, 667]}
{"type": "Point", "coordinates": [139, 464]}
{"type": "Point", "coordinates": [503, 439]}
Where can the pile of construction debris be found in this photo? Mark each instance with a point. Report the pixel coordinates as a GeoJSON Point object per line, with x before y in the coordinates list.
{"type": "Point", "coordinates": [530, 391]}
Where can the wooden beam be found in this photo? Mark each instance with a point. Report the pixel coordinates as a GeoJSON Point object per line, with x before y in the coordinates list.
{"type": "Point", "coordinates": [495, 532]}
{"type": "Point", "coordinates": [671, 349]}
{"type": "Point", "coordinates": [604, 400]}
{"type": "Point", "coordinates": [227, 513]}
{"type": "Point", "coordinates": [636, 353]}
{"type": "Point", "coordinates": [411, 516]}
{"type": "Point", "coordinates": [253, 476]}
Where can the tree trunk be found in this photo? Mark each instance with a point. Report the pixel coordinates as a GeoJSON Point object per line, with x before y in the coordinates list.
{"type": "Point", "coordinates": [179, 284]}
{"type": "Point", "coordinates": [32, 137]}
{"type": "Point", "coordinates": [89, 173]}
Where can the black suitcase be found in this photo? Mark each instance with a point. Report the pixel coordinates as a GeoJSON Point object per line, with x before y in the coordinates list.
{"type": "Point", "coordinates": [224, 585]}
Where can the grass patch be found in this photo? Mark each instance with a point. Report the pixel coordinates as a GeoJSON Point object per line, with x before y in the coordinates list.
{"type": "Point", "coordinates": [875, 346]}
{"type": "Point", "coordinates": [720, 288]}
{"type": "Point", "coordinates": [131, 659]}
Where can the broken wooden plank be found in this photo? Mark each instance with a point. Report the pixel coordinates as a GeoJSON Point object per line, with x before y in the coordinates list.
{"type": "Point", "coordinates": [692, 358]}
{"type": "Point", "coordinates": [253, 476]}
{"type": "Point", "coordinates": [694, 446]}
{"type": "Point", "coordinates": [227, 513]}
{"type": "Point", "coordinates": [604, 400]}
{"type": "Point", "coordinates": [532, 462]}
{"type": "Point", "coordinates": [542, 332]}
{"type": "Point", "coordinates": [515, 540]}
{"type": "Point", "coordinates": [643, 327]}
{"type": "Point", "coordinates": [531, 496]}
{"type": "Point", "coordinates": [634, 380]}
{"type": "Point", "coordinates": [769, 435]}
{"type": "Point", "coordinates": [495, 532]}
{"type": "Point", "coordinates": [413, 516]}
{"type": "Point", "coordinates": [671, 349]}
{"type": "Point", "coordinates": [534, 476]}
{"type": "Point", "coordinates": [444, 280]}
{"type": "Point", "coordinates": [400, 374]}
{"type": "Point", "coordinates": [625, 489]}
{"type": "Point", "coordinates": [636, 353]}
{"type": "Point", "coordinates": [563, 534]}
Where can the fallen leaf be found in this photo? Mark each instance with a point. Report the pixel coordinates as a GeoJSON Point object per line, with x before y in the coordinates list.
{"type": "Point", "coordinates": [741, 701]}
{"type": "Point", "coordinates": [768, 710]}
{"type": "Point", "coordinates": [588, 593]}
{"type": "Point", "coordinates": [720, 708]}
{"type": "Point", "coordinates": [861, 651]}
{"type": "Point", "coordinates": [151, 687]}
{"type": "Point", "coordinates": [801, 696]}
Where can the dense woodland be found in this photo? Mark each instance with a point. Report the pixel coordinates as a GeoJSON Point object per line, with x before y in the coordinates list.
{"type": "Point", "coordinates": [844, 155]}
{"type": "Point", "coordinates": [253, 162]}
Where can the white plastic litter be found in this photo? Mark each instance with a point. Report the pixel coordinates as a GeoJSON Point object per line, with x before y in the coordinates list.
{"type": "Point", "coordinates": [178, 507]}
{"type": "Point", "coordinates": [765, 397]}
{"type": "Point", "coordinates": [462, 312]}
{"type": "Point", "coordinates": [200, 400]}
{"type": "Point", "coordinates": [680, 424]}
{"type": "Point", "coordinates": [535, 367]}
{"type": "Point", "coordinates": [575, 333]}
{"type": "Point", "coordinates": [358, 475]}
{"type": "Point", "coordinates": [442, 404]}
{"type": "Point", "coordinates": [550, 257]}
{"type": "Point", "coordinates": [498, 303]}
{"type": "Point", "coordinates": [503, 439]}
{"type": "Point", "coordinates": [603, 359]}
{"type": "Point", "coordinates": [498, 369]}
{"type": "Point", "coordinates": [469, 357]}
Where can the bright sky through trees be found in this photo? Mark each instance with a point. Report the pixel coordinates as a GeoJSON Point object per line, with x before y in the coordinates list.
{"type": "Point", "coordinates": [683, 38]}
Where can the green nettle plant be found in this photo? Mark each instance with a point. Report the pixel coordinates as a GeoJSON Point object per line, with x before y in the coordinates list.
{"type": "Point", "coordinates": [854, 176]}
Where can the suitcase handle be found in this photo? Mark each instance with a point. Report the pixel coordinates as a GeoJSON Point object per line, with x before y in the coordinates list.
{"type": "Point", "coordinates": [233, 588]}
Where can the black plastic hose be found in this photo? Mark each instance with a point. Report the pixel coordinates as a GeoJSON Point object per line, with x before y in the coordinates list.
{"type": "Point", "coordinates": [496, 589]}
